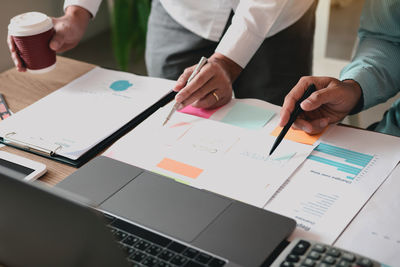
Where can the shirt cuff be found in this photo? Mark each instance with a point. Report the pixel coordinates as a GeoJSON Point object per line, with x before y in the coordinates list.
{"type": "Point", "coordinates": [368, 85]}
{"type": "Point", "coordinates": [90, 5]}
{"type": "Point", "coordinates": [239, 45]}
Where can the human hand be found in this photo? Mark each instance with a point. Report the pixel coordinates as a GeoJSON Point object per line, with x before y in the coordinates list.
{"type": "Point", "coordinates": [211, 87]}
{"type": "Point", "coordinates": [332, 101]}
{"type": "Point", "coordinates": [69, 30]}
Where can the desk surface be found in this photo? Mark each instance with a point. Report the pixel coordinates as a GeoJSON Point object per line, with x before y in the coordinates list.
{"type": "Point", "coordinates": [23, 89]}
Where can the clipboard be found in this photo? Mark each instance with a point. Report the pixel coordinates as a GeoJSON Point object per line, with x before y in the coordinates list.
{"type": "Point", "coordinates": [52, 151]}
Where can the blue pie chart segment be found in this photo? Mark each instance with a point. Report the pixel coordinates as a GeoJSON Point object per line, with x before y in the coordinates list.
{"type": "Point", "coordinates": [120, 85]}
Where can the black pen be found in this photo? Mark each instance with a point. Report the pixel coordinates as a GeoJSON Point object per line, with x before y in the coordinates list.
{"type": "Point", "coordinates": [293, 116]}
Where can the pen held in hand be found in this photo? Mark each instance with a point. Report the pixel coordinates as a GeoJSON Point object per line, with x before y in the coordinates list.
{"type": "Point", "coordinates": [175, 107]}
{"type": "Point", "coordinates": [293, 116]}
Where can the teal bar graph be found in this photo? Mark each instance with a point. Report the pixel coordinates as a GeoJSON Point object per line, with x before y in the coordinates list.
{"type": "Point", "coordinates": [348, 156]}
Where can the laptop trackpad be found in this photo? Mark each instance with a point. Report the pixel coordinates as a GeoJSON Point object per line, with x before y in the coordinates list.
{"type": "Point", "coordinates": [166, 206]}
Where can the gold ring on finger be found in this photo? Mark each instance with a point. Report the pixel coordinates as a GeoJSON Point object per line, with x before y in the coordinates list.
{"type": "Point", "coordinates": [216, 96]}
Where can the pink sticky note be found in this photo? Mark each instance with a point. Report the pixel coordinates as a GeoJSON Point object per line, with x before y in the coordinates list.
{"type": "Point", "coordinates": [199, 112]}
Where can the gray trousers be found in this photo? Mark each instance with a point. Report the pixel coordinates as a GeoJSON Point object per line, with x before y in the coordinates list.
{"type": "Point", "coordinates": [272, 72]}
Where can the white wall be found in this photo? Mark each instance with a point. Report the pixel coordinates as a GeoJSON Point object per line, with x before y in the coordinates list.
{"type": "Point", "coordinates": [10, 8]}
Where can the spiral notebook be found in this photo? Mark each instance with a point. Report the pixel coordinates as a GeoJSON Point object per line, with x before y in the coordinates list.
{"type": "Point", "coordinates": [77, 121]}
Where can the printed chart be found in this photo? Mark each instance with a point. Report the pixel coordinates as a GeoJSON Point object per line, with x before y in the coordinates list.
{"type": "Point", "coordinates": [345, 164]}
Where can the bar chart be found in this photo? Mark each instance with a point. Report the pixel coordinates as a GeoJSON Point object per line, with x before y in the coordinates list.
{"type": "Point", "coordinates": [344, 161]}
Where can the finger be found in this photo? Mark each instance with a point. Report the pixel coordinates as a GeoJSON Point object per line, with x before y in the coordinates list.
{"type": "Point", "coordinates": [202, 92]}
{"type": "Point", "coordinates": [11, 44]}
{"type": "Point", "coordinates": [57, 42]}
{"type": "Point", "coordinates": [290, 100]}
{"type": "Point", "coordinates": [18, 62]}
{"type": "Point", "coordinates": [199, 81]}
{"type": "Point", "coordinates": [213, 100]}
{"type": "Point", "coordinates": [182, 80]}
{"type": "Point", "coordinates": [319, 98]}
{"type": "Point", "coordinates": [312, 127]}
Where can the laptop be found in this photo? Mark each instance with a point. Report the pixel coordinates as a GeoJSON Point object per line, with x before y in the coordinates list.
{"type": "Point", "coordinates": [132, 218]}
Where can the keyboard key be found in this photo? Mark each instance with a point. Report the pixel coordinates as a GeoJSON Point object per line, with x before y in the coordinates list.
{"type": "Point", "coordinates": [329, 259]}
{"type": "Point", "coordinates": [319, 248]}
{"type": "Point", "coordinates": [193, 264]}
{"type": "Point", "coordinates": [349, 257]}
{"type": "Point", "coordinates": [308, 263]}
{"type": "Point", "coordinates": [178, 260]}
{"type": "Point", "coordinates": [216, 263]}
{"type": "Point", "coordinates": [314, 255]}
{"type": "Point", "coordinates": [134, 264]}
{"type": "Point", "coordinates": [166, 255]}
{"type": "Point", "coordinates": [150, 262]}
{"type": "Point", "coordinates": [153, 250]}
{"type": "Point", "coordinates": [108, 218]}
{"type": "Point", "coordinates": [128, 250]}
{"type": "Point", "coordinates": [142, 233]}
{"type": "Point", "coordinates": [142, 245]}
{"type": "Point", "coordinates": [119, 235]}
{"type": "Point", "coordinates": [130, 240]}
{"type": "Point", "coordinates": [163, 264]}
{"type": "Point", "coordinates": [323, 264]}
{"type": "Point", "coordinates": [343, 263]}
{"type": "Point", "coordinates": [333, 252]}
{"type": "Point", "coordinates": [203, 258]}
{"type": "Point", "coordinates": [301, 247]}
{"type": "Point", "coordinates": [138, 256]}
{"type": "Point", "coordinates": [364, 262]}
{"type": "Point", "coordinates": [190, 253]}
{"type": "Point", "coordinates": [112, 229]}
{"type": "Point", "coordinates": [292, 258]}
{"type": "Point", "coordinates": [176, 247]}
{"type": "Point", "coordinates": [286, 264]}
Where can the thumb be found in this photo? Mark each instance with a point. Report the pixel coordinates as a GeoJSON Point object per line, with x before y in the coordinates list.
{"type": "Point", "coordinates": [317, 99]}
{"type": "Point", "coordinates": [181, 82]}
{"type": "Point", "coordinates": [57, 42]}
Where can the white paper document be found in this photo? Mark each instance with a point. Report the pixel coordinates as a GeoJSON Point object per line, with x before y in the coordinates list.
{"type": "Point", "coordinates": [85, 112]}
{"type": "Point", "coordinates": [375, 231]}
{"type": "Point", "coordinates": [336, 180]}
{"type": "Point", "coordinates": [225, 153]}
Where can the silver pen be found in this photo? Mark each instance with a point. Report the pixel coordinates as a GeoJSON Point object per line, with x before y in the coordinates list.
{"type": "Point", "coordinates": [201, 63]}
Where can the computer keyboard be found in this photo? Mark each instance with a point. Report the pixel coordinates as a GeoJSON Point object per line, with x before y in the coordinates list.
{"type": "Point", "coordinates": [307, 253]}
{"type": "Point", "coordinates": [145, 248]}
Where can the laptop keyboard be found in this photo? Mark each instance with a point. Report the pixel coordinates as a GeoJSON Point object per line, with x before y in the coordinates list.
{"type": "Point", "coordinates": [145, 248]}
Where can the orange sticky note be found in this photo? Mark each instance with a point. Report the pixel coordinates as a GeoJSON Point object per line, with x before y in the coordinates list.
{"type": "Point", "coordinates": [298, 136]}
{"type": "Point", "coordinates": [179, 168]}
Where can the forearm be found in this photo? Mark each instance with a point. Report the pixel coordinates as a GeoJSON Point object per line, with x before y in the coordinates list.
{"type": "Point", "coordinates": [255, 20]}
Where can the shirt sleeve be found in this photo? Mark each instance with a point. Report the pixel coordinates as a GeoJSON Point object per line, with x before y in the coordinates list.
{"type": "Point", "coordinates": [375, 65]}
{"type": "Point", "coordinates": [255, 20]}
{"type": "Point", "coordinates": [90, 5]}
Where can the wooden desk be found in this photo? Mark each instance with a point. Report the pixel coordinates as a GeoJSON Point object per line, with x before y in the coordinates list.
{"type": "Point", "coordinates": [23, 89]}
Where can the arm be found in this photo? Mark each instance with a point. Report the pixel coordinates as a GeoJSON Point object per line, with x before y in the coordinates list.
{"type": "Point", "coordinates": [376, 63]}
{"type": "Point", "coordinates": [69, 28]}
{"type": "Point", "coordinates": [372, 77]}
{"type": "Point", "coordinates": [254, 20]}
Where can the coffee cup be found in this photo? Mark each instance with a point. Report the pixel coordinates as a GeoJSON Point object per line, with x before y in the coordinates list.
{"type": "Point", "coordinates": [32, 33]}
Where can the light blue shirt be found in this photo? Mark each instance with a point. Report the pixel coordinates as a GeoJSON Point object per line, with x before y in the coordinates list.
{"type": "Point", "coordinates": [376, 64]}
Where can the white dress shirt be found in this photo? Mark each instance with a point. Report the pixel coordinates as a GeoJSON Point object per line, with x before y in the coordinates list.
{"type": "Point", "coordinates": [254, 20]}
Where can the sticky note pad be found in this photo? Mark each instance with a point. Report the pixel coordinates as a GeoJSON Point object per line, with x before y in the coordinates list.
{"type": "Point", "coordinates": [179, 168]}
{"type": "Point", "coordinates": [298, 136]}
{"type": "Point", "coordinates": [199, 112]}
{"type": "Point", "coordinates": [248, 116]}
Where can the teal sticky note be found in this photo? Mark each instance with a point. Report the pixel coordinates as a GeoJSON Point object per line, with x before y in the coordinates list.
{"type": "Point", "coordinates": [248, 116]}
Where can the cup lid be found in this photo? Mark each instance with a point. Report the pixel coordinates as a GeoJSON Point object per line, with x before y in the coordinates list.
{"type": "Point", "coordinates": [30, 23]}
